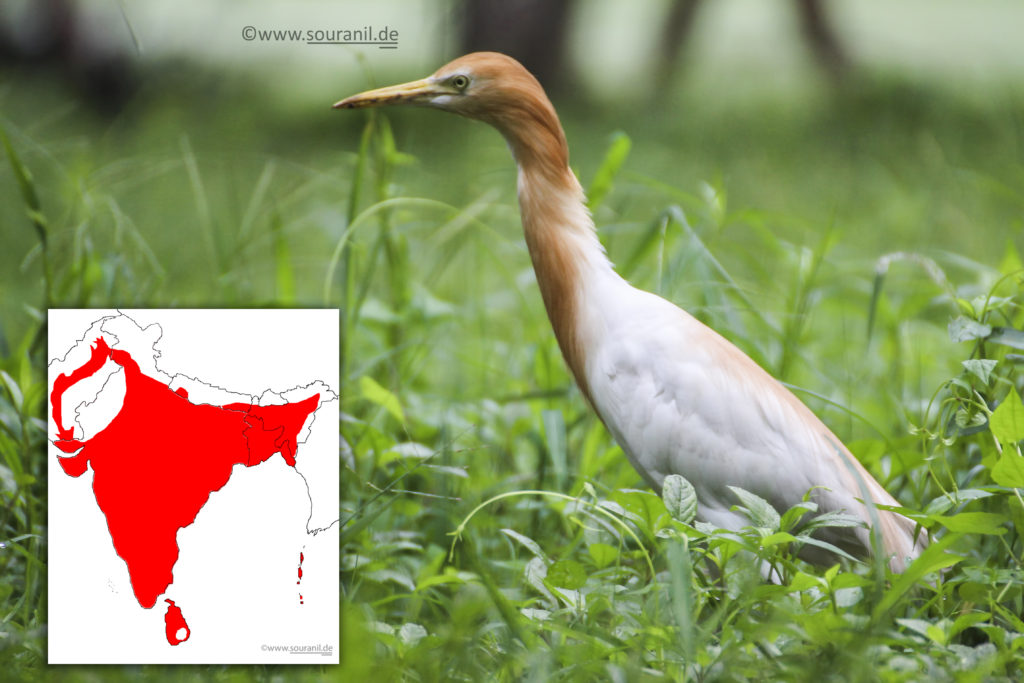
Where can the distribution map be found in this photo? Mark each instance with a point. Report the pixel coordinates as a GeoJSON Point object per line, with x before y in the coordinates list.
{"type": "Point", "coordinates": [161, 447]}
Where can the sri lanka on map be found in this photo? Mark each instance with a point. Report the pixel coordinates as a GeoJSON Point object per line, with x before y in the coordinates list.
{"type": "Point", "coordinates": [193, 486]}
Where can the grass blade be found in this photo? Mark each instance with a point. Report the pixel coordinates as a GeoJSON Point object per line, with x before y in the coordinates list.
{"type": "Point", "coordinates": [616, 155]}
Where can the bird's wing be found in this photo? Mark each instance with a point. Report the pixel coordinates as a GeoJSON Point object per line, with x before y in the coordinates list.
{"type": "Point", "coordinates": [681, 399]}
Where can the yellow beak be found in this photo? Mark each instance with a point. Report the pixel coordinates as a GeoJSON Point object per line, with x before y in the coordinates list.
{"type": "Point", "coordinates": [414, 92]}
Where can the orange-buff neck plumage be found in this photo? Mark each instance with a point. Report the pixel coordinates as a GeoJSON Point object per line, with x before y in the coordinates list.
{"type": "Point", "coordinates": [677, 396]}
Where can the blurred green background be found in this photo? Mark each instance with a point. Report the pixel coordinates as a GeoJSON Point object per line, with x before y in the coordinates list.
{"type": "Point", "coordinates": [762, 183]}
{"type": "Point", "coordinates": [179, 164]}
{"type": "Point", "coordinates": [917, 149]}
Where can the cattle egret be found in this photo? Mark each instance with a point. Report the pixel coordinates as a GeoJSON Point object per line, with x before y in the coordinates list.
{"type": "Point", "coordinates": [678, 397]}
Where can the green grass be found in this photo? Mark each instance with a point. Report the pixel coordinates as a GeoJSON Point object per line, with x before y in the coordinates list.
{"type": "Point", "coordinates": [864, 248]}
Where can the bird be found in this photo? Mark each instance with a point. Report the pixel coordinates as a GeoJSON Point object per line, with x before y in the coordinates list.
{"type": "Point", "coordinates": [677, 396]}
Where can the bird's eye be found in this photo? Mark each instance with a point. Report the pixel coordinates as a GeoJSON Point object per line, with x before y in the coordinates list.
{"type": "Point", "coordinates": [460, 82]}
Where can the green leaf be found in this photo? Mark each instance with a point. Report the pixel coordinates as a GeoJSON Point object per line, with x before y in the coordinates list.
{"type": "Point", "coordinates": [603, 554]}
{"type": "Point", "coordinates": [682, 595]}
{"type": "Point", "coordinates": [680, 498]}
{"type": "Point", "coordinates": [1012, 618]}
{"type": "Point", "coordinates": [28, 189]}
{"type": "Point", "coordinates": [410, 634]}
{"type": "Point", "coordinates": [536, 573]}
{"type": "Point", "coordinates": [966, 307]}
{"type": "Point", "coordinates": [818, 543]}
{"type": "Point", "coordinates": [974, 591]}
{"type": "Point", "coordinates": [849, 580]}
{"type": "Point", "coordinates": [645, 509]}
{"type": "Point", "coordinates": [975, 523]}
{"type": "Point", "coordinates": [968, 420]}
{"type": "Point", "coordinates": [554, 432]}
{"type": "Point", "coordinates": [946, 501]}
{"type": "Point", "coordinates": [777, 538]}
{"type": "Point", "coordinates": [375, 393]}
{"type": "Point", "coordinates": [937, 634]}
{"type": "Point", "coordinates": [967, 620]}
{"type": "Point", "coordinates": [1009, 470]}
{"type": "Point", "coordinates": [616, 155]}
{"type": "Point", "coordinates": [1011, 263]}
{"type": "Point", "coordinates": [1007, 336]}
{"type": "Point", "coordinates": [796, 513]}
{"type": "Point", "coordinates": [24, 479]}
{"type": "Point", "coordinates": [964, 329]}
{"type": "Point", "coordinates": [527, 542]}
{"type": "Point", "coordinates": [802, 582]}
{"type": "Point", "coordinates": [933, 559]}
{"type": "Point", "coordinates": [1007, 421]}
{"type": "Point", "coordinates": [980, 367]}
{"type": "Point", "coordinates": [439, 580]}
{"type": "Point", "coordinates": [284, 276]}
{"type": "Point", "coordinates": [567, 574]}
{"type": "Point", "coordinates": [831, 519]}
{"type": "Point", "coordinates": [1017, 514]}
{"type": "Point", "coordinates": [760, 511]}
{"type": "Point", "coordinates": [12, 388]}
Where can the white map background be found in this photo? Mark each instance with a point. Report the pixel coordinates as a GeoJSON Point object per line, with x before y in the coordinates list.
{"type": "Point", "coordinates": [235, 578]}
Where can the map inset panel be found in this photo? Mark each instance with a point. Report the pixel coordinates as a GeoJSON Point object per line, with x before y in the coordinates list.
{"type": "Point", "coordinates": [193, 486]}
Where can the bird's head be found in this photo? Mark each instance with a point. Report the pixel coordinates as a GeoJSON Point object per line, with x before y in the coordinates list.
{"type": "Point", "coordinates": [486, 86]}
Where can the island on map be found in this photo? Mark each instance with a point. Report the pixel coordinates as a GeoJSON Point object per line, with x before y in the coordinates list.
{"type": "Point", "coordinates": [157, 462]}
{"type": "Point", "coordinates": [175, 626]}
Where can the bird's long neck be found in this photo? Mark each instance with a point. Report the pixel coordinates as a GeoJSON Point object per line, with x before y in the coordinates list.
{"type": "Point", "coordinates": [567, 256]}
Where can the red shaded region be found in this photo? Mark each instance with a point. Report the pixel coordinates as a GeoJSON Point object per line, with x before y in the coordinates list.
{"type": "Point", "coordinates": [181, 391]}
{"type": "Point", "coordinates": [65, 437]}
{"type": "Point", "coordinates": [157, 462]}
{"type": "Point", "coordinates": [74, 467]}
{"type": "Point", "coordinates": [68, 445]}
{"type": "Point", "coordinates": [284, 421]}
{"type": "Point", "coordinates": [261, 440]}
{"type": "Point", "coordinates": [174, 622]}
